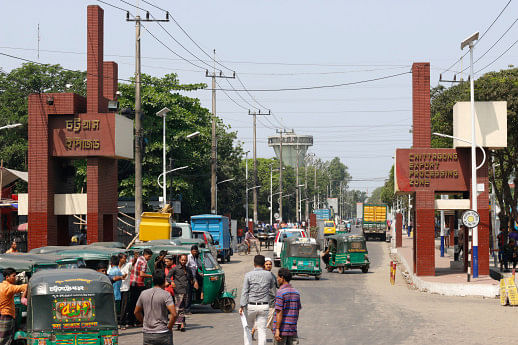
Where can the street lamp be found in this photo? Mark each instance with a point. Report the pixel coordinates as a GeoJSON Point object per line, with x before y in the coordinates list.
{"type": "Point", "coordinates": [228, 180]}
{"type": "Point", "coordinates": [163, 176]}
{"type": "Point", "coordinates": [467, 142]}
{"type": "Point", "coordinates": [11, 126]}
{"type": "Point", "coordinates": [474, 193]}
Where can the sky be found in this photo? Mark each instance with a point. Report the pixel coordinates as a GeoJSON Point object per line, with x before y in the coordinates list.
{"type": "Point", "coordinates": [275, 45]}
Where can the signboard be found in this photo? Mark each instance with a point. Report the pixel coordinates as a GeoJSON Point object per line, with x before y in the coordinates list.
{"type": "Point", "coordinates": [83, 135]}
{"type": "Point", "coordinates": [470, 218]}
{"type": "Point", "coordinates": [431, 169]}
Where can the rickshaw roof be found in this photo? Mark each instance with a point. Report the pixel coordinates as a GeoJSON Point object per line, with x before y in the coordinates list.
{"type": "Point", "coordinates": [48, 249]}
{"type": "Point", "coordinates": [95, 282]}
{"type": "Point", "coordinates": [24, 261]}
{"type": "Point", "coordinates": [119, 245]}
{"type": "Point", "coordinates": [171, 249]}
{"type": "Point", "coordinates": [339, 237]}
{"type": "Point", "coordinates": [356, 238]}
{"type": "Point", "coordinates": [90, 253]}
{"type": "Point", "coordinates": [300, 241]}
{"type": "Point", "coordinates": [188, 241]}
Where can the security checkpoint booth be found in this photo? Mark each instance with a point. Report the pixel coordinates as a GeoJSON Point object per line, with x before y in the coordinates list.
{"type": "Point", "coordinates": [440, 178]}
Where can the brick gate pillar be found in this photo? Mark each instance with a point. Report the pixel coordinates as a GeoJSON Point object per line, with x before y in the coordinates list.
{"type": "Point", "coordinates": [399, 230]}
{"type": "Point", "coordinates": [485, 219]}
{"type": "Point", "coordinates": [424, 247]}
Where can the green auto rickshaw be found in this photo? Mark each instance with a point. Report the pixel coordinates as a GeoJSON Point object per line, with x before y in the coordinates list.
{"type": "Point", "coordinates": [211, 273]}
{"type": "Point", "coordinates": [70, 307]}
{"type": "Point", "coordinates": [348, 252]}
{"type": "Point", "coordinates": [300, 256]}
{"type": "Point", "coordinates": [92, 256]}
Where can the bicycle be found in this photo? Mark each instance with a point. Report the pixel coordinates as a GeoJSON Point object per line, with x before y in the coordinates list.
{"type": "Point", "coordinates": [242, 249]}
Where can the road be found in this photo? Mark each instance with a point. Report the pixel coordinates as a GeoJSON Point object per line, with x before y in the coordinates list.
{"type": "Point", "coordinates": [356, 308]}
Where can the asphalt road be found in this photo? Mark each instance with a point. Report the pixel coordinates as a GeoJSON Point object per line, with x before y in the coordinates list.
{"type": "Point", "coordinates": [357, 308]}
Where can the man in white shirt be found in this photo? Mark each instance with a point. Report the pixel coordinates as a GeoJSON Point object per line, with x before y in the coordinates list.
{"type": "Point", "coordinates": [125, 268]}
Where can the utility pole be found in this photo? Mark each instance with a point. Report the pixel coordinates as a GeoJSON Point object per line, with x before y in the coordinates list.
{"type": "Point", "coordinates": [297, 190]}
{"type": "Point", "coordinates": [254, 114]}
{"type": "Point", "coordinates": [246, 191]}
{"type": "Point", "coordinates": [214, 146]}
{"type": "Point", "coordinates": [138, 114]}
{"type": "Point", "coordinates": [281, 132]}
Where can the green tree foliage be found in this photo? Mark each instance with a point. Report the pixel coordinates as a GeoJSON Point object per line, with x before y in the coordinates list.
{"type": "Point", "coordinates": [493, 86]}
{"type": "Point", "coordinates": [375, 197]}
{"type": "Point", "coordinates": [387, 193]}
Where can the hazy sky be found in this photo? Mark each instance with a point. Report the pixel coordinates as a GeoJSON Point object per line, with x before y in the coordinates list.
{"type": "Point", "coordinates": [284, 44]}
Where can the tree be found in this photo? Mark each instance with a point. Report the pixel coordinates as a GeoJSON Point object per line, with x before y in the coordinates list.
{"type": "Point", "coordinates": [375, 197]}
{"type": "Point", "coordinates": [493, 86]}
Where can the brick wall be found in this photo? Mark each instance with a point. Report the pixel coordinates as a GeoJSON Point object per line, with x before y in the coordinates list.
{"type": "Point", "coordinates": [421, 130]}
{"type": "Point", "coordinates": [425, 233]}
{"type": "Point", "coordinates": [95, 56]}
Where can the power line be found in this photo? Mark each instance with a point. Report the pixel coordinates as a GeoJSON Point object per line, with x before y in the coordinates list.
{"type": "Point", "coordinates": [482, 36]}
{"type": "Point", "coordinates": [494, 44]}
{"type": "Point", "coordinates": [117, 7]}
{"type": "Point", "coordinates": [189, 36]}
{"type": "Point", "coordinates": [172, 51]}
{"type": "Point", "coordinates": [320, 86]}
{"type": "Point", "coordinates": [492, 62]}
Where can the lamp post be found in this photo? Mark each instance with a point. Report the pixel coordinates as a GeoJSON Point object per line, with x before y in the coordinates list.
{"type": "Point", "coordinates": [163, 113]}
{"type": "Point", "coordinates": [165, 173]}
{"type": "Point", "coordinates": [474, 192]}
{"type": "Point", "coordinates": [217, 184]}
{"type": "Point", "coordinates": [11, 126]}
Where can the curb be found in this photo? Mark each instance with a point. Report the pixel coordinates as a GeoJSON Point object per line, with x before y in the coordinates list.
{"type": "Point", "coordinates": [448, 289]}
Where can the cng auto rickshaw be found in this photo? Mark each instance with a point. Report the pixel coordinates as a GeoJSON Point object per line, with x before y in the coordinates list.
{"type": "Point", "coordinates": [70, 307]}
{"type": "Point", "coordinates": [213, 277]}
{"type": "Point", "coordinates": [300, 256]}
{"type": "Point", "coordinates": [349, 251]}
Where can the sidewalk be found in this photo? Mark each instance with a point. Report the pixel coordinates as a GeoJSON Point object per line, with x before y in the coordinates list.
{"type": "Point", "coordinates": [449, 281]}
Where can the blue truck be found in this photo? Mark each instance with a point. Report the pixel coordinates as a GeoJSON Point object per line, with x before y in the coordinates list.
{"type": "Point", "coordinates": [218, 227]}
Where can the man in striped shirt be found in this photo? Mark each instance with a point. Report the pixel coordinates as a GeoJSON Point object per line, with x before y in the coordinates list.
{"type": "Point", "coordinates": [287, 307]}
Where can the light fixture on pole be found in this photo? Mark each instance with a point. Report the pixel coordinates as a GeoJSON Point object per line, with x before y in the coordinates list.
{"type": "Point", "coordinates": [165, 173]}
{"type": "Point", "coordinates": [163, 113]}
{"type": "Point", "coordinates": [217, 184]}
{"type": "Point", "coordinates": [11, 126]}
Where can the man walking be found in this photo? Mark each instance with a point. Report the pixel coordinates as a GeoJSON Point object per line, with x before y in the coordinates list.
{"type": "Point", "coordinates": [287, 307]}
{"type": "Point", "coordinates": [256, 297]}
{"type": "Point", "coordinates": [155, 304]}
{"type": "Point", "coordinates": [137, 285]}
{"type": "Point", "coordinates": [180, 278]}
{"type": "Point", "coordinates": [193, 263]}
{"type": "Point", "coordinates": [7, 311]}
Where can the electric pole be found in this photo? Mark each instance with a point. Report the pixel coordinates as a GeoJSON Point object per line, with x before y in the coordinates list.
{"type": "Point", "coordinates": [138, 114]}
{"type": "Point", "coordinates": [214, 146]}
{"type": "Point", "coordinates": [254, 114]}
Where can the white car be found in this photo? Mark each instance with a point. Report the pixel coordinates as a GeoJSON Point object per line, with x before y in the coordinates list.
{"type": "Point", "coordinates": [279, 237]}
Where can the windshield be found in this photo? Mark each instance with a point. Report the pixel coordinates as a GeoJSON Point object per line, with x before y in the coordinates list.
{"type": "Point", "coordinates": [209, 262]}
{"type": "Point", "coordinates": [290, 234]}
{"type": "Point", "coordinates": [357, 246]}
{"type": "Point", "coordinates": [329, 225]}
{"type": "Point", "coordinates": [176, 231]}
{"type": "Point", "coordinates": [305, 250]}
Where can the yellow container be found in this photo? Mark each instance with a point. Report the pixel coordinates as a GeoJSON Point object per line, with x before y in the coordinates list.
{"type": "Point", "coordinates": [155, 226]}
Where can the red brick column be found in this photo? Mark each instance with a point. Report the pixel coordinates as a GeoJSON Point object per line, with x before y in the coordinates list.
{"type": "Point", "coordinates": [95, 56]}
{"type": "Point", "coordinates": [399, 230]}
{"type": "Point", "coordinates": [485, 219]}
{"type": "Point", "coordinates": [421, 130]}
{"type": "Point", "coordinates": [425, 233]}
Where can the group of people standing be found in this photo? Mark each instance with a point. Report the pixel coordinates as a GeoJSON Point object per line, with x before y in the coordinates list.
{"type": "Point", "coordinates": [507, 248]}
{"type": "Point", "coordinates": [160, 308]}
{"type": "Point", "coordinates": [270, 302]}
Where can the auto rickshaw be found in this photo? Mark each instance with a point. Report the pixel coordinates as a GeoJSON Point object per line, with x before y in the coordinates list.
{"type": "Point", "coordinates": [213, 285]}
{"type": "Point", "coordinates": [349, 252]}
{"type": "Point", "coordinates": [70, 307]}
{"type": "Point", "coordinates": [92, 256]}
{"type": "Point", "coordinates": [300, 256]}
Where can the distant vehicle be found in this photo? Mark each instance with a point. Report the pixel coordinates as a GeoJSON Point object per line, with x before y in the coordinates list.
{"type": "Point", "coordinates": [181, 230]}
{"type": "Point", "coordinates": [375, 221]}
{"type": "Point", "coordinates": [209, 241]}
{"type": "Point", "coordinates": [218, 227]}
{"type": "Point", "coordinates": [282, 234]}
{"type": "Point", "coordinates": [329, 227]}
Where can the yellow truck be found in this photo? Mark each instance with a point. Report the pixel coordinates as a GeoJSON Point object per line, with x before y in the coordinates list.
{"type": "Point", "coordinates": [155, 226]}
{"type": "Point", "coordinates": [375, 221]}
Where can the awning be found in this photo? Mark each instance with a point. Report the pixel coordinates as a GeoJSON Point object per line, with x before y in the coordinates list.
{"type": "Point", "coordinates": [11, 175]}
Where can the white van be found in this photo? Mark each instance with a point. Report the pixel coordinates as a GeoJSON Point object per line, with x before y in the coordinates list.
{"type": "Point", "coordinates": [277, 244]}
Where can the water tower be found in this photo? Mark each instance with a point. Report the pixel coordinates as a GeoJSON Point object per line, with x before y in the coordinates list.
{"type": "Point", "coordinates": [293, 146]}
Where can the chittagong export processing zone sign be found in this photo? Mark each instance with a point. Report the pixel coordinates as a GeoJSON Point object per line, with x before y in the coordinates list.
{"type": "Point", "coordinates": [431, 169]}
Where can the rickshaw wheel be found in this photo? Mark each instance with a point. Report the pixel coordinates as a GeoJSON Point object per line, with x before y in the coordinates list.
{"type": "Point", "coordinates": [317, 277]}
{"type": "Point", "coordinates": [227, 304]}
{"type": "Point", "coordinates": [341, 269]}
{"type": "Point", "coordinates": [215, 304]}
{"type": "Point", "coordinates": [330, 269]}
{"type": "Point", "coordinates": [365, 269]}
